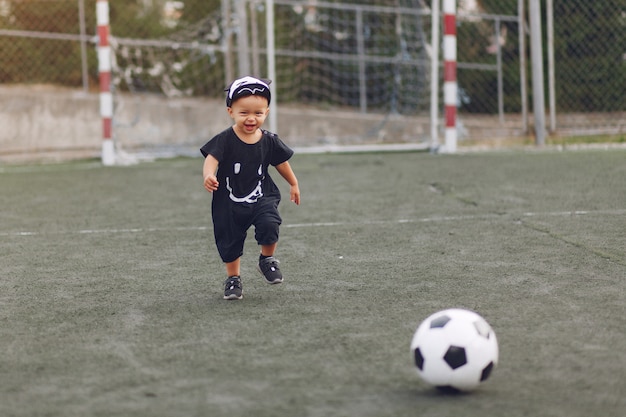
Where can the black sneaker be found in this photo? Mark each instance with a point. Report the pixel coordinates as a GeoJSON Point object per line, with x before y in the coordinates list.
{"type": "Point", "coordinates": [268, 267]}
{"type": "Point", "coordinates": [233, 289]}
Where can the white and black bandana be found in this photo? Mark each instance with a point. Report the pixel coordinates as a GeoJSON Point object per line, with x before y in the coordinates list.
{"type": "Point", "coordinates": [248, 86]}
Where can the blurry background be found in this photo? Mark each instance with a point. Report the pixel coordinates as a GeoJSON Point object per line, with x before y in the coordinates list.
{"type": "Point", "coordinates": [347, 72]}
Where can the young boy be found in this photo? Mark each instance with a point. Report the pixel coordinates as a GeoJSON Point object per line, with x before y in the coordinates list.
{"type": "Point", "coordinates": [244, 194]}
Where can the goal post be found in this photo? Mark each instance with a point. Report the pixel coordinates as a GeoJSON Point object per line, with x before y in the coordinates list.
{"type": "Point", "coordinates": [271, 63]}
{"type": "Point", "coordinates": [354, 74]}
{"type": "Point", "coordinates": [104, 69]}
{"type": "Point", "coordinates": [343, 74]}
{"type": "Point", "coordinates": [450, 87]}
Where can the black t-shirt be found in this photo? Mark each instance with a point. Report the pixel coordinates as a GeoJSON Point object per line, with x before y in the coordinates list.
{"type": "Point", "coordinates": [243, 168]}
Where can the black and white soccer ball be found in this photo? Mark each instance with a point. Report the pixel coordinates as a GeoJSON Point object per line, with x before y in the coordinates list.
{"type": "Point", "coordinates": [454, 350]}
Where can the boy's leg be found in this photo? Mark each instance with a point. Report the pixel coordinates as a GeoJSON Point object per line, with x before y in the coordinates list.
{"type": "Point", "coordinates": [229, 238]}
{"type": "Point", "coordinates": [233, 268]}
{"type": "Point", "coordinates": [268, 265]}
{"type": "Point", "coordinates": [233, 290]}
{"type": "Point", "coordinates": [267, 225]}
{"type": "Point", "coordinates": [268, 250]}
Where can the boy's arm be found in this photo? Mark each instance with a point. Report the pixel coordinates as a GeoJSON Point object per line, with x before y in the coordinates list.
{"type": "Point", "coordinates": [208, 173]}
{"type": "Point", "coordinates": [286, 172]}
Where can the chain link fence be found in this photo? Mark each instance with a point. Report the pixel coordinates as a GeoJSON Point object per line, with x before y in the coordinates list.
{"type": "Point", "coordinates": [40, 42]}
{"type": "Point", "coordinates": [369, 58]}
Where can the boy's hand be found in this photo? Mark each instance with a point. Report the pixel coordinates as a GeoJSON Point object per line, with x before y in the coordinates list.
{"type": "Point", "coordinates": [286, 172]}
{"type": "Point", "coordinates": [295, 194]}
{"type": "Point", "coordinates": [211, 183]}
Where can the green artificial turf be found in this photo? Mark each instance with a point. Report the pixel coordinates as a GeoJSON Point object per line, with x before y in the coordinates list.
{"type": "Point", "coordinates": [111, 289]}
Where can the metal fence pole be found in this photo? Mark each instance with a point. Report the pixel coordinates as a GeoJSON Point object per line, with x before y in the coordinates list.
{"type": "Point", "coordinates": [497, 35]}
{"type": "Point", "coordinates": [360, 42]}
{"type": "Point", "coordinates": [539, 107]}
{"type": "Point", "coordinates": [243, 50]}
{"type": "Point", "coordinates": [551, 76]}
{"type": "Point", "coordinates": [434, 78]}
{"type": "Point", "coordinates": [522, 64]}
{"type": "Point", "coordinates": [254, 28]}
{"type": "Point", "coordinates": [227, 42]}
{"type": "Point", "coordinates": [83, 45]}
{"type": "Point", "coordinates": [271, 63]}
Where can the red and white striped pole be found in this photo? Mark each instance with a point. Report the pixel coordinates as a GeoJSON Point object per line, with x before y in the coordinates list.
{"type": "Point", "coordinates": [104, 69]}
{"type": "Point", "coordinates": [449, 73]}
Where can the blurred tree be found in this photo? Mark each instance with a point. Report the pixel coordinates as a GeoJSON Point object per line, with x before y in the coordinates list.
{"type": "Point", "coordinates": [590, 43]}
{"type": "Point", "coordinates": [37, 60]}
{"type": "Point", "coordinates": [477, 43]}
{"type": "Point", "coordinates": [503, 7]}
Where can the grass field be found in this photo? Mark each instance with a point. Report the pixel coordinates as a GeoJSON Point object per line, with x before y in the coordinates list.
{"type": "Point", "coordinates": [111, 290]}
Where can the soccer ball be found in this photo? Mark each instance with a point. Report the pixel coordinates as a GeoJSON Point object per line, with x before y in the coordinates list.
{"type": "Point", "coordinates": [454, 350]}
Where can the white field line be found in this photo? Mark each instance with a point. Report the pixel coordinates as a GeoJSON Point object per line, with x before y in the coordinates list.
{"type": "Point", "coordinates": [431, 219]}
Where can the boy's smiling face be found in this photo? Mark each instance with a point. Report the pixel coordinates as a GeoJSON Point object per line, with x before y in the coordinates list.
{"type": "Point", "coordinates": [249, 113]}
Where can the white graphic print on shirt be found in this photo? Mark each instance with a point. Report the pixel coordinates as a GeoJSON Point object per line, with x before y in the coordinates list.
{"type": "Point", "coordinates": [254, 195]}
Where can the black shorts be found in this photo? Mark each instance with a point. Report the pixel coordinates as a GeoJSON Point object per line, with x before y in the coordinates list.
{"type": "Point", "coordinates": [231, 222]}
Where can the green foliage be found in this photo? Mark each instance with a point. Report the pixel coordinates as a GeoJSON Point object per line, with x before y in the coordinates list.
{"type": "Point", "coordinates": [58, 62]}
{"type": "Point", "coordinates": [36, 60]}
{"type": "Point", "coordinates": [502, 7]}
{"type": "Point", "coordinates": [44, 16]}
{"type": "Point", "coordinates": [590, 42]}
{"type": "Point", "coordinates": [133, 19]}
